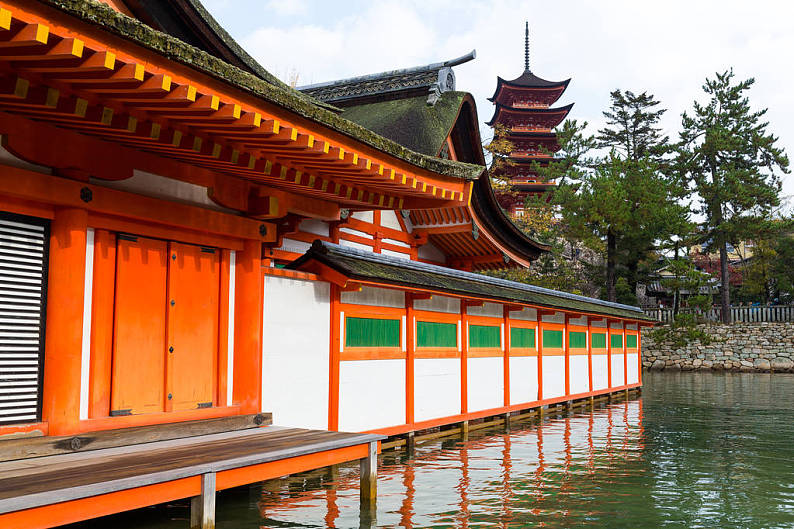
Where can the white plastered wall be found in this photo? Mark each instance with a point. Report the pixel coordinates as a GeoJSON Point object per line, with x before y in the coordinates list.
{"type": "Point", "coordinates": [494, 310]}
{"type": "Point", "coordinates": [371, 394]}
{"type": "Point", "coordinates": [523, 379]}
{"type": "Point", "coordinates": [600, 379]}
{"type": "Point", "coordinates": [439, 304]}
{"type": "Point", "coordinates": [633, 368]}
{"type": "Point", "coordinates": [375, 297]}
{"type": "Point", "coordinates": [485, 383]}
{"type": "Point", "coordinates": [617, 368]}
{"type": "Point", "coordinates": [579, 374]}
{"type": "Point", "coordinates": [553, 376]}
{"type": "Point", "coordinates": [296, 337]}
{"type": "Point", "coordinates": [525, 314]}
{"type": "Point", "coordinates": [436, 388]}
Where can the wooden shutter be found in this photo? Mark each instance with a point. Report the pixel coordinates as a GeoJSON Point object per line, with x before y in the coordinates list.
{"type": "Point", "coordinates": [24, 244]}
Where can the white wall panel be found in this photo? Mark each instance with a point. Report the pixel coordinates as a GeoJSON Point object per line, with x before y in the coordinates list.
{"type": "Point", "coordinates": [634, 376]}
{"type": "Point", "coordinates": [488, 309]}
{"type": "Point", "coordinates": [399, 255]}
{"type": "Point", "coordinates": [371, 394]}
{"type": "Point", "coordinates": [525, 314]}
{"type": "Point", "coordinates": [582, 320]}
{"type": "Point", "coordinates": [317, 227]}
{"type": "Point", "coordinates": [388, 219]}
{"type": "Point", "coordinates": [557, 317]}
{"type": "Point", "coordinates": [439, 304]}
{"type": "Point", "coordinates": [599, 323]}
{"type": "Point", "coordinates": [376, 297]}
{"type": "Point", "coordinates": [523, 379]}
{"type": "Point", "coordinates": [579, 381]}
{"type": "Point", "coordinates": [295, 352]}
{"type": "Point", "coordinates": [617, 369]}
{"type": "Point", "coordinates": [356, 245]}
{"type": "Point", "coordinates": [436, 388]}
{"type": "Point", "coordinates": [599, 372]}
{"type": "Point", "coordinates": [366, 216]}
{"type": "Point", "coordinates": [431, 253]}
{"type": "Point", "coordinates": [485, 388]}
{"type": "Point", "coordinates": [553, 376]}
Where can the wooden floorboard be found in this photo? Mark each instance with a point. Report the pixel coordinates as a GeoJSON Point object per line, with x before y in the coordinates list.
{"type": "Point", "coordinates": [46, 480]}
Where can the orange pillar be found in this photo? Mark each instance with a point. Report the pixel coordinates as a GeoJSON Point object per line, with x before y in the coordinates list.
{"type": "Point", "coordinates": [566, 336]}
{"type": "Point", "coordinates": [609, 355]}
{"type": "Point", "coordinates": [589, 355]}
{"type": "Point", "coordinates": [464, 357]}
{"type": "Point", "coordinates": [333, 359]}
{"type": "Point", "coordinates": [506, 347]}
{"type": "Point", "coordinates": [64, 334]}
{"type": "Point", "coordinates": [540, 354]}
{"type": "Point", "coordinates": [639, 353]}
{"type": "Point", "coordinates": [247, 392]}
{"type": "Point", "coordinates": [410, 350]}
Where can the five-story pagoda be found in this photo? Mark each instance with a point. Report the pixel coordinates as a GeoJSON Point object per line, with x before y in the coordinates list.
{"type": "Point", "coordinates": [523, 108]}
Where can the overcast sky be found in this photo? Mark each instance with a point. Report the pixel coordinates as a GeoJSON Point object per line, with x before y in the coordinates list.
{"type": "Point", "coordinates": [665, 48]}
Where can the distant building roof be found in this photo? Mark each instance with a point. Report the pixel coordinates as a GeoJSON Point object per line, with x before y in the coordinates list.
{"type": "Point", "coordinates": [429, 81]}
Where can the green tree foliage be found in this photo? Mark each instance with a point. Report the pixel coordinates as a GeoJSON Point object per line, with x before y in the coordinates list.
{"type": "Point", "coordinates": [685, 278]}
{"type": "Point", "coordinates": [769, 274]}
{"type": "Point", "coordinates": [633, 126]}
{"type": "Point", "coordinates": [732, 163]}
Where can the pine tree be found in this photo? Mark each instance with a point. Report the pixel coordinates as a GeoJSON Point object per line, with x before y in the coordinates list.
{"type": "Point", "coordinates": [732, 163]}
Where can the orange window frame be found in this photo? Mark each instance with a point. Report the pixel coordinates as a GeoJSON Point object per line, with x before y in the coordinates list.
{"type": "Point", "coordinates": [578, 350]}
{"type": "Point", "coordinates": [554, 351]}
{"type": "Point", "coordinates": [437, 317]}
{"type": "Point", "coordinates": [522, 324]}
{"type": "Point", "coordinates": [598, 330]}
{"type": "Point", "coordinates": [486, 352]}
{"type": "Point", "coordinates": [348, 310]}
{"type": "Point", "coordinates": [631, 332]}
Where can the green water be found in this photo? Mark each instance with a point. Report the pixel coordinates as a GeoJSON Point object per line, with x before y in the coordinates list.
{"type": "Point", "coordinates": [696, 450]}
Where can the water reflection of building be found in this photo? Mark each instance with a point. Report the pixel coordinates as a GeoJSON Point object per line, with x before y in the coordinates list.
{"type": "Point", "coordinates": [533, 473]}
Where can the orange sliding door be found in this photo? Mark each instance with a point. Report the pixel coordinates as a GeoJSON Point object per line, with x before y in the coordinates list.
{"type": "Point", "coordinates": [138, 372]}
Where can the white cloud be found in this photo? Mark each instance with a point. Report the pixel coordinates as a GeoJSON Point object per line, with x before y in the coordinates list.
{"type": "Point", "coordinates": [665, 48]}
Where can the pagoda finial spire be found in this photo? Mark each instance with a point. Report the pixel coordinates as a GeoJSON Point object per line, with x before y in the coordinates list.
{"type": "Point", "coordinates": [526, 47]}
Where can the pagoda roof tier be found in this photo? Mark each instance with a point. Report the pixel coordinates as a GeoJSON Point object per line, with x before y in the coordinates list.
{"type": "Point", "coordinates": [344, 265]}
{"type": "Point", "coordinates": [535, 144]}
{"type": "Point", "coordinates": [527, 81]}
{"type": "Point", "coordinates": [517, 117]}
{"type": "Point", "coordinates": [108, 77]}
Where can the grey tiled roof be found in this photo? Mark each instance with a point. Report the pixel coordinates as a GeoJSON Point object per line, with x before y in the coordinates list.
{"type": "Point", "coordinates": [368, 266]}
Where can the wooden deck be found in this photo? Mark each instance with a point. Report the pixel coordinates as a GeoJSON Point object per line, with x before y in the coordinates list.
{"type": "Point", "coordinates": [61, 480]}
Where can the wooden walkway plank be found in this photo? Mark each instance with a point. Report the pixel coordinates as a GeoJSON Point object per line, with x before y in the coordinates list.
{"type": "Point", "coordinates": [41, 481]}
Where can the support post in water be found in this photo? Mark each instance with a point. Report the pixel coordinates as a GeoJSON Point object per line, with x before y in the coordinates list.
{"type": "Point", "coordinates": [464, 430]}
{"type": "Point", "coordinates": [410, 442]}
{"type": "Point", "coordinates": [369, 479]}
{"type": "Point", "coordinates": [202, 508]}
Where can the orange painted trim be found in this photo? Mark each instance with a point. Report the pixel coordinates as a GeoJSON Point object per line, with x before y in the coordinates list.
{"type": "Point", "coordinates": [372, 229]}
{"type": "Point", "coordinates": [600, 351]}
{"type": "Point", "coordinates": [64, 320]}
{"type": "Point", "coordinates": [553, 351]}
{"type": "Point", "coordinates": [102, 309]}
{"type": "Point", "coordinates": [539, 342]}
{"type": "Point", "coordinates": [292, 274]}
{"type": "Point", "coordinates": [274, 469]}
{"type": "Point", "coordinates": [430, 352]}
{"type": "Point", "coordinates": [506, 354]}
{"type": "Point", "coordinates": [625, 356]}
{"type": "Point", "coordinates": [371, 353]}
{"type": "Point", "coordinates": [333, 357]}
{"type": "Point", "coordinates": [486, 352]}
{"type": "Point", "coordinates": [567, 344]}
{"type": "Point", "coordinates": [410, 356]}
{"type": "Point", "coordinates": [15, 429]}
{"type": "Point", "coordinates": [523, 351]}
{"type": "Point", "coordinates": [148, 419]}
{"type": "Point", "coordinates": [491, 321]}
{"type": "Point", "coordinates": [29, 185]}
{"type": "Point", "coordinates": [523, 324]}
{"type": "Point", "coordinates": [639, 357]}
{"type": "Point", "coordinates": [281, 255]}
{"type": "Point", "coordinates": [589, 355]}
{"type": "Point", "coordinates": [494, 300]}
{"type": "Point", "coordinates": [170, 233]}
{"type": "Point", "coordinates": [452, 419]}
{"type": "Point", "coordinates": [464, 358]}
{"type": "Point", "coordinates": [223, 329]}
{"type": "Point", "coordinates": [25, 207]}
{"type": "Point", "coordinates": [249, 303]}
{"type": "Point", "coordinates": [578, 351]}
{"type": "Point", "coordinates": [102, 505]}
{"type": "Point", "coordinates": [609, 355]}
{"type": "Point", "coordinates": [369, 311]}
{"type": "Point", "coordinates": [436, 317]}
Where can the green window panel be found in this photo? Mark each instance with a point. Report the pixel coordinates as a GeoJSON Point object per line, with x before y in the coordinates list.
{"type": "Point", "coordinates": [433, 334]}
{"type": "Point", "coordinates": [521, 337]}
{"type": "Point", "coordinates": [598, 340]}
{"type": "Point", "coordinates": [616, 340]}
{"type": "Point", "coordinates": [485, 336]}
{"type": "Point", "coordinates": [552, 338]}
{"type": "Point", "coordinates": [578, 340]}
{"type": "Point", "coordinates": [631, 340]}
{"type": "Point", "coordinates": [371, 332]}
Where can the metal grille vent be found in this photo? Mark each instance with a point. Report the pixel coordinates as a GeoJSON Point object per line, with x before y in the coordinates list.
{"type": "Point", "coordinates": [24, 243]}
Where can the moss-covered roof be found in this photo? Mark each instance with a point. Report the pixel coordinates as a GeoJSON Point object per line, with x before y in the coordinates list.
{"type": "Point", "coordinates": [383, 269]}
{"type": "Point", "coordinates": [410, 122]}
{"type": "Point", "coordinates": [174, 49]}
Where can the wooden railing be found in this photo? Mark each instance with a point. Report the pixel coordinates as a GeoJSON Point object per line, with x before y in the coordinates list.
{"type": "Point", "coordinates": [772, 313]}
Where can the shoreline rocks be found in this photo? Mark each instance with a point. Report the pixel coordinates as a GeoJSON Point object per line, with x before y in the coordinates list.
{"type": "Point", "coordinates": [746, 347]}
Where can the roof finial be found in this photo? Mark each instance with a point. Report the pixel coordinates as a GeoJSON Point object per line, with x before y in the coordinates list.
{"type": "Point", "coordinates": [526, 47]}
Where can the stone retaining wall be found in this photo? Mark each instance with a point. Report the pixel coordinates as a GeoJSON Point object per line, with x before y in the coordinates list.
{"type": "Point", "coordinates": [739, 347]}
